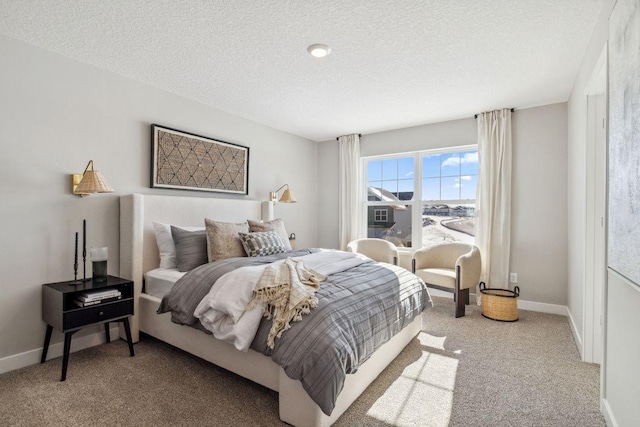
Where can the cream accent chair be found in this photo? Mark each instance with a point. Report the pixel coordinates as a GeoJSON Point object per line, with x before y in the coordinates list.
{"type": "Point", "coordinates": [453, 267]}
{"type": "Point", "coordinates": [377, 249]}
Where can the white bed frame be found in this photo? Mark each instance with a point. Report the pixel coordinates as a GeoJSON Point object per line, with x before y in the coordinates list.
{"type": "Point", "coordinates": [139, 254]}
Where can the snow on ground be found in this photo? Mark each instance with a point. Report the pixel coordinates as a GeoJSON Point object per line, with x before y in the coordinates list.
{"type": "Point", "coordinates": [438, 233]}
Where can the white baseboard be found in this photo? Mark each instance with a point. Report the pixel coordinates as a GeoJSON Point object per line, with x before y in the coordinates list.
{"type": "Point", "coordinates": [540, 307]}
{"type": "Point", "coordinates": [576, 334]}
{"type": "Point", "coordinates": [31, 357]}
{"type": "Point", "coordinates": [608, 415]}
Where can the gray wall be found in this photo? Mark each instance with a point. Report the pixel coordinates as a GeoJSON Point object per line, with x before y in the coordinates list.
{"type": "Point", "coordinates": [539, 194]}
{"type": "Point", "coordinates": [56, 114]}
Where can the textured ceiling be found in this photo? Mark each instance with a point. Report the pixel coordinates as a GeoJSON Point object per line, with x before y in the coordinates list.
{"type": "Point", "coordinates": [393, 64]}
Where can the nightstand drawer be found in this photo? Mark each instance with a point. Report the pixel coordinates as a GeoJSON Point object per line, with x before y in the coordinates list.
{"type": "Point", "coordinates": [99, 313]}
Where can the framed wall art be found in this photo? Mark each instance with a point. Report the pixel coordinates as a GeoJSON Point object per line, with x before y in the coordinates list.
{"type": "Point", "coordinates": [185, 161]}
{"type": "Point", "coordinates": [624, 139]}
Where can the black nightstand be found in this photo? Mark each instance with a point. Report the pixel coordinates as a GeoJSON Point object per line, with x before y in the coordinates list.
{"type": "Point", "coordinates": [60, 311]}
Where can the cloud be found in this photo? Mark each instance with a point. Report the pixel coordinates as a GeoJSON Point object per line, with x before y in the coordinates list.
{"type": "Point", "coordinates": [408, 174]}
{"type": "Point", "coordinates": [463, 177]}
{"type": "Point", "coordinates": [467, 158]}
{"type": "Point", "coordinates": [451, 161]}
{"type": "Point", "coordinates": [470, 158]}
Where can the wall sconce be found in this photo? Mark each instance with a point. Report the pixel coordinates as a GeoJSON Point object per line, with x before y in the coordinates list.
{"type": "Point", "coordinates": [287, 196]}
{"type": "Point", "coordinates": [267, 207]}
{"type": "Point", "coordinates": [90, 181]}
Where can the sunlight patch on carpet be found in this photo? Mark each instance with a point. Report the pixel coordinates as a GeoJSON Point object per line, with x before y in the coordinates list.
{"type": "Point", "coordinates": [422, 395]}
{"type": "Point", "coordinates": [431, 340]}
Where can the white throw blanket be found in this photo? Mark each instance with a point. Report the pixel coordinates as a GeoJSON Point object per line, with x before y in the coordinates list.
{"type": "Point", "coordinates": [223, 313]}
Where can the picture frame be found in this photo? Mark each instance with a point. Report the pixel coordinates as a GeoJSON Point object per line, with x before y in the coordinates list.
{"type": "Point", "coordinates": [624, 140]}
{"type": "Point", "coordinates": [186, 161]}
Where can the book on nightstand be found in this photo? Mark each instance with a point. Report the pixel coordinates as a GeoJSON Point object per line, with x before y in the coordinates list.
{"type": "Point", "coordinates": [99, 295]}
{"type": "Point", "coordinates": [80, 303]}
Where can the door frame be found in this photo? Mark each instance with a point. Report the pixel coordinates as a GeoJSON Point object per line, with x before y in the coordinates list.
{"type": "Point", "coordinates": [595, 267]}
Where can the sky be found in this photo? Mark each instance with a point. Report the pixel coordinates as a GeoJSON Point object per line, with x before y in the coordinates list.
{"type": "Point", "coordinates": [446, 176]}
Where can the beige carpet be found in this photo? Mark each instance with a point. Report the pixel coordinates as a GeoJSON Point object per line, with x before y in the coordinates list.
{"type": "Point", "coordinates": [469, 371]}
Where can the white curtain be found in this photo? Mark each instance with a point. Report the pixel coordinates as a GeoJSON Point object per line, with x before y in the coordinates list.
{"type": "Point", "coordinates": [493, 201]}
{"type": "Point", "coordinates": [350, 203]}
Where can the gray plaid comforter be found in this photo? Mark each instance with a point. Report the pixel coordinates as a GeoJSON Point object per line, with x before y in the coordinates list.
{"type": "Point", "coordinates": [359, 310]}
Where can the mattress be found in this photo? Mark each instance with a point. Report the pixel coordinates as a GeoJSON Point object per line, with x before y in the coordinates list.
{"type": "Point", "coordinates": [159, 281]}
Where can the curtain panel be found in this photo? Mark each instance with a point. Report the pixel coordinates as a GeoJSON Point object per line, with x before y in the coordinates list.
{"type": "Point", "coordinates": [493, 202]}
{"type": "Point", "coordinates": [350, 183]}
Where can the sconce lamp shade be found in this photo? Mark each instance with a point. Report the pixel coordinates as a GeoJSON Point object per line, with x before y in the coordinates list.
{"type": "Point", "coordinates": [91, 181]}
{"type": "Point", "coordinates": [287, 195]}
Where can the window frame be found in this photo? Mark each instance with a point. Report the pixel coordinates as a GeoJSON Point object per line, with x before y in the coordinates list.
{"type": "Point", "coordinates": [417, 202]}
{"type": "Point", "coordinates": [377, 211]}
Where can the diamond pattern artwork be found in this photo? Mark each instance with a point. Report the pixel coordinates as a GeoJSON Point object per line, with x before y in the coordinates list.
{"type": "Point", "coordinates": [185, 161]}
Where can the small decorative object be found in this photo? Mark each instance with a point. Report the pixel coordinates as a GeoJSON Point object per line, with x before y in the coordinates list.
{"type": "Point", "coordinates": [186, 161]}
{"type": "Point", "coordinates": [75, 260]}
{"type": "Point", "coordinates": [84, 257]}
{"type": "Point", "coordinates": [500, 304]}
{"type": "Point", "coordinates": [84, 250]}
{"type": "Point", "coordinates": [99, 258]}
{"type": "Point", "coordinates": [75, 264]}
{"type": "Point", "coordinates": [292, 240]}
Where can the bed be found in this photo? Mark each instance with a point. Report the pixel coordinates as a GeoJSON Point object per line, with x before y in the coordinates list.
{"type": "Point", "coordinates": [139, 255]}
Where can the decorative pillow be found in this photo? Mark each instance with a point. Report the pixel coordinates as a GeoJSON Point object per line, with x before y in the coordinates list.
{"type": "Point", "coordinates": [166, 247]}
{"type": "Point", "coordinates": [222, 239]}
{"type": "Point", "coordinates": [276, 225]}
{"type": "Point", "coordinates": [262, 243]}
{"type": "Point", "coordinates": [191, 248]}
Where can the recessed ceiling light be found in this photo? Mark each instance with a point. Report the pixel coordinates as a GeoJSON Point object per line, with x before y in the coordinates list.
{"type": "Point", "coordinates": [319, 50]}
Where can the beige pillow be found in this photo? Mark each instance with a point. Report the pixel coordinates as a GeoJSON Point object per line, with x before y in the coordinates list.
{"type": "Point", "coordinates": [223, 240]}
{"type": "Point", "coordinates": [276, 225]}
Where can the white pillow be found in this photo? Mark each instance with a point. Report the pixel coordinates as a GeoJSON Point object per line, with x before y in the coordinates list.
{"type": "Point", "coordinates": [166, 247]}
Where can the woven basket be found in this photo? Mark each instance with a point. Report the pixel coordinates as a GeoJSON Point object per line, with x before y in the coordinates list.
{"type": "Point", "coordinates": [500, 304]}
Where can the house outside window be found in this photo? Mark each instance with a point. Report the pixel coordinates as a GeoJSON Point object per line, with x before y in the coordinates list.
{"type": "Point", "coordinates": [422, 198]}
{"type": "Point", "coordinates": [380, 215]}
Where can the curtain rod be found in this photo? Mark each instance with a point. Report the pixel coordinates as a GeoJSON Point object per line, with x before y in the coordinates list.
{"type": "Point", "coordinates": [475, 116]}
{"type": "Point", "coordinates": [359, 136]}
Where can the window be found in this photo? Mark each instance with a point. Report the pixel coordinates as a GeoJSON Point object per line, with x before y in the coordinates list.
{"type": "Point", "coordinates": [380, 215]}
{"type": "Point", "coordinates": [445, 182]}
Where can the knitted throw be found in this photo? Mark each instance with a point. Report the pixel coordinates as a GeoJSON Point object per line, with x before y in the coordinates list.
{"type": "Point", "coordinates": [287, 291]}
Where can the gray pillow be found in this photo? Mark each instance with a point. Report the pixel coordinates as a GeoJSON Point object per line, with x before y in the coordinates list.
{"type": "Point", "coordinates": [262, 243]}
{"type": "Point", "coordinates": [191, 248]}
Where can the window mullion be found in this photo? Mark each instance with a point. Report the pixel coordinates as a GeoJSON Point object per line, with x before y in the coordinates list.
{"type": "Point", "coordinates": [416, 232]}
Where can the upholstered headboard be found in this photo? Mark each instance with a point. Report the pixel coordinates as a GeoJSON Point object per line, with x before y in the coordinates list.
{"type": "Point", "coordinates": [138, 248]}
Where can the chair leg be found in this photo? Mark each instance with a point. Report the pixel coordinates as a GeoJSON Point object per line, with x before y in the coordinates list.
{"type": "Point", "coordinates": [460, 306]}
{"type": "Point", "coordinates": [458, 295]}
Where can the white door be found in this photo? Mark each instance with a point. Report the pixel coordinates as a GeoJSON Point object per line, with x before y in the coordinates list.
{"type": "Point", "coordinates": [595, 233]}
{"type": "Point", "coordinates": [599, 249]}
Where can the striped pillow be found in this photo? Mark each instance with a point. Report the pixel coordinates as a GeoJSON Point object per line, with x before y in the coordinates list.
{"type": "Point", "coordinates": [262, 243]}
